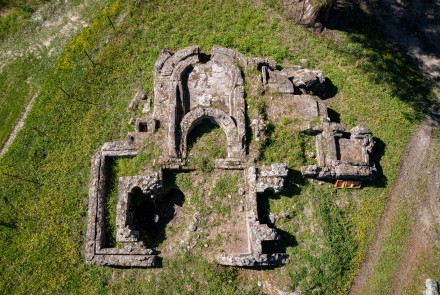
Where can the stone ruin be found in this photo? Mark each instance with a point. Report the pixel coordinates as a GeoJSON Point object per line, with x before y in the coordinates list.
{"type": "Point", "coordinates": [341, 154]}
{"type": "Point", "coordinates": [189, 87]}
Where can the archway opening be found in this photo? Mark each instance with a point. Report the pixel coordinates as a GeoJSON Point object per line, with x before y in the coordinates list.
{"type": "Point", "coordinates": [205, 143]}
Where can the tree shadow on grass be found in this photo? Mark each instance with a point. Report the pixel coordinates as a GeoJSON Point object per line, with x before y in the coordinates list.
{"type": "Point", "coordinates": [383, 61]}
{"type": "Point", "coordinates": [420, 26]}
{"type": "Point", "coordinates": [10, 224]}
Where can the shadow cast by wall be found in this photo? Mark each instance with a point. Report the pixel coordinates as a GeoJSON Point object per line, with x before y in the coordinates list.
{"type": "Point", "coordinates": [292, 184]}
{"type": "Point", "coordinates": [326, 91]}
{"type": "Point", "coordinates": [266, 217]}
{"type": "Point", "coordinates": [152, 215]}
{"type": "Point", "coordinates": [378, 152]}
{"type": "Point", "coordinates": [334, 116]}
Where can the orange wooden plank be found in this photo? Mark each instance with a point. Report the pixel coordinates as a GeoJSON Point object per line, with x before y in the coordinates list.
{"type": "Point", "coordinates": [348, 184]}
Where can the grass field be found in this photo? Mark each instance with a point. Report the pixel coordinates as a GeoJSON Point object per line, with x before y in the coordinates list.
{"type": "Point", "coordinates": [30, 46]}
{"type": "Point", "coordinates": [83, 95]}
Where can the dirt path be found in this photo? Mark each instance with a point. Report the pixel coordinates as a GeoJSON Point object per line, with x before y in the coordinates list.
{"type": "Point", "coordinates": [422, 241]}
{"type": "Point", "coordinates": [418, 181]}
{"type": "Point", "coordinates": [412, 171]}
{"type": "Point", "coordinates": [18, 126]}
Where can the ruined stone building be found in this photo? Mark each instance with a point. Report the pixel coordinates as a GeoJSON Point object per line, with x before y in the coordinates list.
{"type": "Point", "coordinates": [190, 87]}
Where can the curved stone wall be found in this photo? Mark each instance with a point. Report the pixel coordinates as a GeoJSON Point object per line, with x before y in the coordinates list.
{"type": "Point", "coordinates": [194, 117]}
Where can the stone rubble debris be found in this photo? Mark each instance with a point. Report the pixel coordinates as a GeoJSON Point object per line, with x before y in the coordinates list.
{"type": "Point", "coordinates": [134, 103]}
{"type": "Point", "coordinates": [285, 81]}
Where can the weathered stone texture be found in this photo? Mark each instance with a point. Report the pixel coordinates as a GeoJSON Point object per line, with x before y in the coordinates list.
{"type": "Point", "coordinates": [140, 95]}
{"type": "Point", "coordinates": [271, 178]}
{"type": "Point", "coordinates": [307, 78]}
{"type": "Point", "coordinates": [343, 157]}
{"type": "Point", "coordinates": [188, 89]}
{"type": "Point", "coordinates": [235, 149]}
{"type": "Point", "coordinates": [259, 127]}
{"type": "Point", "coordinates": [96, 252]}
{"type": "Point", "coordinates": [125, 260]}
{"type": "Point", "coordinates": [279, 82]}
{"type": "Point", "coordinates": [432, 287]}
{"type": "Point", "coordinates": [251, 260]}
{"type": "Point", "coordinates": [185, 86]}
{"type": "Point", "coordinates": [306, 12]}
{"type": "Point", "coordinates": [146, 125]}
{"type": "Point", "coordinates": [285, 81]}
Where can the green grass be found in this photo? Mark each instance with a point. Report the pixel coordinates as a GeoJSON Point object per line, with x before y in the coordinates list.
{"type": "Point", "coordinates": [209, 198]}
{"type": "Point", "coordinates": [29, 50]}
{"type": "Point", "coordinates": [18, 90]}
{"type": "Point", "coordinates": [284, 144]}
{"type": "Point", "coordinates": [44, 176]}
{"type": "Point", "coordinates": [223, 188]}
{"type": "Point", "coordinates": [324, 247]}
{"type": "Point", "coordinates": [426, 265]}
{"type": "Point", "coordinates": [15, 14]}
{"type": "Point", "coordinates": [198, 277]}
{"type": "Point", "coordinates": [426, 268]}
{"type": "Point", "coordinates": [18, 3]}
{"type": "Point", "coordinates": [208, 190]}
{"type": "Point", "coordinates": [436, 135]}
{"type": "Point", "coordinates": [390, 254]}
{"type": "Point", "coordinates": [206, 143]}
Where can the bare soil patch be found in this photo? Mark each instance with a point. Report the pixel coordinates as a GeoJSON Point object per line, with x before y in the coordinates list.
{"type": "Point", "coordinates": [209, 221]}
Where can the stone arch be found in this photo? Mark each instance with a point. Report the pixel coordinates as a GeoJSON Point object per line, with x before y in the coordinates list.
{"type": "Point", "coordinates": [179, 104]}
{"type": "Point", "coordinates": [194, 117]}
{"type": "Point", "coordinates": [180, 98]}
{"type": "Point", "coordinates": [174, 99]}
